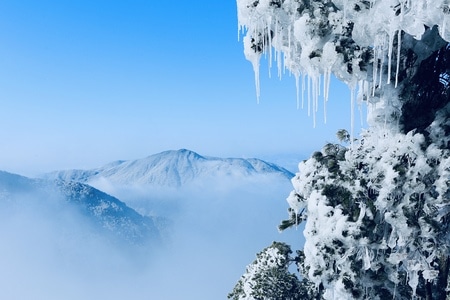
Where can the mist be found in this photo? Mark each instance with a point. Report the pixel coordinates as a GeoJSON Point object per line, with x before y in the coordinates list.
{"type": "Point", "coordinates": [213, 231]}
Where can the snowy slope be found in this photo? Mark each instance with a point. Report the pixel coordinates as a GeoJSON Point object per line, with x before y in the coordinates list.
{"type": "Point", "coordinates": [173, 169]}
{"type": "Point", "coordinates": [107, 214]}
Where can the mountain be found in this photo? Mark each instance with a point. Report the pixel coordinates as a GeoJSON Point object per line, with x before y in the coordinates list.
{"type": "Point", "coordinates": [173, 169]}
{"type": "Point", "coordinates": [107, 214]}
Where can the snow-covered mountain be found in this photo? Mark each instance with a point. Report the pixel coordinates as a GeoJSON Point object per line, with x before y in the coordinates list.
{"type": "Point", "coordinates": [108, 215]}
{"type": "Point", "coordinates": [173, 169]}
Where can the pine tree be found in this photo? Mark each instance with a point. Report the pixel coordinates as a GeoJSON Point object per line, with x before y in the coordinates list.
{"type": "Point", "coordinates": [377, 208]}
{"type": "Point", "coordinates": [378, 223]}
{"type": "Point", "coordinates": [268, 277]}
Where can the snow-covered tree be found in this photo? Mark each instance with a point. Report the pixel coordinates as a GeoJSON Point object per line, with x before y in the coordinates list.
{"type": "Point", "coordinates": [375, 46]}
{"type": "Point", "coordinates": [376, 217]}
{"type": "Point", "coordinates": [376, 208]}
{"type": "Point", "coordinates": [268, 277]}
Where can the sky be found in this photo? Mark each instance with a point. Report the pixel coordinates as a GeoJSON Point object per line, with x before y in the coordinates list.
{"type": "Point", "coordinates": [84, 83]}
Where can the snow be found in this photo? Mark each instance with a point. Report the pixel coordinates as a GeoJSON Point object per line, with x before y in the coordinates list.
{"type": "Point", "coordinates": [397, 181]}
{"type": "Point", "coordinates": [309, 36]}
{"type": "Point", "coordinates": [394, 166]}
{"type": "Point", "coordinates": [295, 202]}
{"type": "Point", "coordinates": [270, 259]}
{"type": "Point", "coordinates": [174, 168]}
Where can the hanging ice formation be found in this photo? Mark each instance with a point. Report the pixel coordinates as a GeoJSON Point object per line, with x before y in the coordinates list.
{"type": "Point", "coordinates": [354, 40]}
{"type": "Point", "coordinates": [359, 42]}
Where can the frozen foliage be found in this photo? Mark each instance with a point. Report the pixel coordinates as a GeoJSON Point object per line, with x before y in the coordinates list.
{"type": "Point", "coordinates": [377, 216]}
{"type": "Point", "coordinates": [371, 45]}
{"type": "Point", "coordinates": [268, 277]}
{"type": "Point", "coordinates": [377, 210]}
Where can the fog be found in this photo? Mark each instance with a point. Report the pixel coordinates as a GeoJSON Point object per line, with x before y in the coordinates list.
{"type": "Point", "coordinates": [50, 251]}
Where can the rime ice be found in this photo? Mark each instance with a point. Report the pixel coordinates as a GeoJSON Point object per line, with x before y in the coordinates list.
{"type": "Point", "coordinates": [354, 40]}
{"type": "Point", "coordinates": [373, 208]}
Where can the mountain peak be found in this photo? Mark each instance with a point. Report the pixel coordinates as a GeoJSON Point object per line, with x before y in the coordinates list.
{"type": "Point", "coordinates": [180, 153]}
{"type": "Point", "coordinates": [175, 168]}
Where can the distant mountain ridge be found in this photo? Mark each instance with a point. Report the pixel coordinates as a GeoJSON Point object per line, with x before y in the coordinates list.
{"type": "Point", "coordinates": [173, 168]}
{"type": "Point", "coordinates": [110, 215]}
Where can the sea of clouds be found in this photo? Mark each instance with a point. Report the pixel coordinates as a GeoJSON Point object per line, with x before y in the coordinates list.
{"type": "Point", "coordinates": [211, 232]}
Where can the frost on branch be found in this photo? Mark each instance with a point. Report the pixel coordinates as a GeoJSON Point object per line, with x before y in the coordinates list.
{"type": "Point", "coordinates": [373, 46]}
{"type": "Point", "coordinates": [378, 214]}
{"type": "Point", "coordinates": [268, 277]}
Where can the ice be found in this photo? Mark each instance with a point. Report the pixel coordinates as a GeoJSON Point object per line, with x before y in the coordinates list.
{"type": "Point", "coordinates": [326, 223]}
{"type": "Point", "coordinates": [389, 54]}
{"type": "Point", "coordinates": [367, 260]}
{"type": "Point", "coordinates": [299, 43]}
{"type": "Point", "coordinates": [352, 113]}
{"type": "Point", "coordinates": [399, 47]}
{"type": "Point", "coordinates": [316, 43]}
{"type": "Point", "coordinates": [295, 202]}
{"type": "Point", "coordinates": [254, 58]}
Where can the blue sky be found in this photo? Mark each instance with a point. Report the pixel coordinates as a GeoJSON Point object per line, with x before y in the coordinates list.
{"type": "Point", "coordinates": [83, 83]}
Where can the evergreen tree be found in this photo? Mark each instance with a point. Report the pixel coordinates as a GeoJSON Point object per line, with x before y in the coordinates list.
{"type": "Point", "coordinates": [377, 208]}
{"type": "Point", "coordinates": [268, 277]}
{"type": "Point", "coordinates": [377, 224]}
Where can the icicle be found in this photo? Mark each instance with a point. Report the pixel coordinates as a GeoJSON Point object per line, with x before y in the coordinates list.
{"type": "Point", "coordinates": [316, 92]}
{"type": "Point", "coordinates": [255, 59]}
{"type": "Point", "coordinates": [303, 89]}
{"type": "Point", "coordinates": [352, 113]}
{"type": "Point", "coordinates": [279, 66]}
{"type": "Point", "coordinates": [375, 71]}
{"type": "Point", "coordinates": [255, 63]}
{"type": "Point", "coordinates": [316, 98]}
{"type": "Point", "coordinates": [309, 96]}
{"type": "Point", "coordinates": [326, 84]}
{"type": "Point", "coordinates": [289, 44]}
{"type": "Point", "coordinates": [257, 83]}
{"type": "Point", "coordinates": [319, 83]}
{"type": "Point", "coordinates": [326, 89]}
{"type": "Point", "coordinates": [381, 64]}
{"type": "Point", "coordinates": [379, 59]}
{"type": "Point", "coordinates": [390, 46]}
{"type": "Point", "coordinates": [399, 41]}
{"type": "Point", "coordinates": [269, 39]}
{"type": "Point", "coordinates": [297, 89]}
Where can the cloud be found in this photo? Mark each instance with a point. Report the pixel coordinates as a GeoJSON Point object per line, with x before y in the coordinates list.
{"type": "Point", "coordinates": [50, 251]}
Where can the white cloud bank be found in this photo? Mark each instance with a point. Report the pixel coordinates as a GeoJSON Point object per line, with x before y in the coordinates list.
{"type": "Point", "coordinates": [50, 252]}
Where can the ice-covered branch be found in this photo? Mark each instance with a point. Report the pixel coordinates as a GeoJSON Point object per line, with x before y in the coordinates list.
{"type": "Point", "coordinates": [356, 40]}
